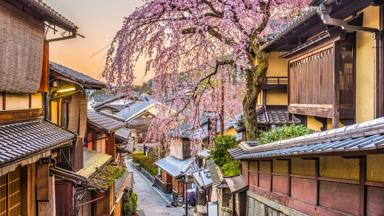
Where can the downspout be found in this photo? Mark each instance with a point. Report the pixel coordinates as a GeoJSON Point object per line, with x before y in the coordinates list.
{"type": "Point", "coordinates": [324, 12]}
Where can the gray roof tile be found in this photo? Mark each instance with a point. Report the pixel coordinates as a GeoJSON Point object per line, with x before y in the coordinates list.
{"type": "Point", "coordinates": [176, 167]}
{"type": "Point", "coordinates": [19, 140]}
{"type": "Point", "coordinates": [360, 137]}
{"type": "Point", "coordinates": [85, 80]}
{"type": "Point", "coordinates": [104, 122]}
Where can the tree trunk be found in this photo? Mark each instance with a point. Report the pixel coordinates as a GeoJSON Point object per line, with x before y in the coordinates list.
{"type": "Point", "coordinates": [255, 78]}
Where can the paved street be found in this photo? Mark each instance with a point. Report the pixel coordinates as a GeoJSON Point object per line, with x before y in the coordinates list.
{"type": "Point", "coordinates": [150, 202]}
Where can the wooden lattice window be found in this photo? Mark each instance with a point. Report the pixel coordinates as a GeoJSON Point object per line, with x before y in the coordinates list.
{"type": "Point", "coordinates": [10, 194]}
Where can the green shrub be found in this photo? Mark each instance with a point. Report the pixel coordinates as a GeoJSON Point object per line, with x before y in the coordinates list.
{"type": "Point", "coordinates": [130, 203]}
{"type": "Point", "coordinates": [219, 151]}
{"type": "Point", "coordinates": [231, 168]}
{"type": "Point", "coordinates": [146, 162]}
{"type": "Point", "coordinates": [222, 158]}
{"type": "Point", "coordinates": [282, 133]}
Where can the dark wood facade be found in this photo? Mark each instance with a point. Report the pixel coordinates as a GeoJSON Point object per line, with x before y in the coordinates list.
{"type": "Point", "coordinates": [313, 185]}
{"type": "Point", "coordinates": [322, 81]}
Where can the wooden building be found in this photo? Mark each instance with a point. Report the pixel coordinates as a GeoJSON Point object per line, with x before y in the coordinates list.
{"type": "Point", "coordinates": [335, 75]}
{"type": "Point", "coordinates": [68, 109]}
{"type": "Point", "coordinates": [113, 176]}
{"type": "Point", "coordinates": [30, 144]}
{"type": "Point", "coordinates": [334, 60]}
{"type": "Point", "coordinates": [337, 172]}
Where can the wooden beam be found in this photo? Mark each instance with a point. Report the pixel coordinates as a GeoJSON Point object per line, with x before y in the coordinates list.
{"type": "Point", "coordinates": [336, 81]}
{"type": "Point", "coordinates": [362, 188]}
{"type": "Point", "coordinates": [4, 100]}
{"type": "Point", "coordinates": [271, 178]}
{"type": "Point", "coordinates": [312, 110]}
{"type": "Point", "coordinates": [317, 174]}
{"type": "Point", "coordinates": [18, 115]}
{"type": "Point", "coordinates": [258, 173]}
{"type": "Point", "coordinates": [289, 178]}
{"type": "Point", "coordinates": [30, 101]}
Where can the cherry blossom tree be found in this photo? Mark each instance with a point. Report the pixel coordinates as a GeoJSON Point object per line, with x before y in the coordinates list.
{"type": "Point", "coordinates": [195, 47]}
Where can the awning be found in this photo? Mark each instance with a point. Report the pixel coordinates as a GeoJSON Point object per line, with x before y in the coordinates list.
{"type": "Point", "coordinates": [104, 122]}
{"type": "Point", "coordinates": [203, 178]}
{"type": "Point", "coordinates": [29, 139]}
{"type": "Point", "coordinates": [176, 167]}
{"type": "Point", "coordinates": [236, 184]}
{"type": "Point", "coordinates": [93, 161]}
{"type": "Point", "coordinates": [357, 138]}
{"type": "Point", "coordinates": [124, 182]}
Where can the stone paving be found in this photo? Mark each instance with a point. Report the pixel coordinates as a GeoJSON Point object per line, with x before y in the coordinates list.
{"type": "Point", "coordinates": [150, 202]}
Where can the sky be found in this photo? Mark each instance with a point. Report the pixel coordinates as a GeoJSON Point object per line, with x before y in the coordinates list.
{"type": "Point", "coordinates": [98, 21]}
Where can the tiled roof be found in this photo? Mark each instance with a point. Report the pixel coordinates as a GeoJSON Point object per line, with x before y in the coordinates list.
{"type": "Point", "coordinates": [104, 122]}
{"type": "Point", "coordinates": [84, 80]}
{"type": "Point", "coordinates": [203, 178]}
{"type": "Point", "coordinates": [125, 99]}
{"type": "Point", "coordinates": [123, 133]}
{"type": "Point", "coordinates": [41, 9]}
{"type": "Point", "coordinates": [92, 162]}
{"type": "Point", "coordinates": [135, 109]}
{"type": "Point", "coordinates": [269, 116]}
{"type": "Point", "coordinates": [236, 183]}
{"type": "Point", "coordinates": [367, 136]}
{"type": "Point", "coordinates": [20, 140]}
{"type": "Point", "coordinates": [176, 167]}
{"type": "Point", "coordinates": [275, 117]}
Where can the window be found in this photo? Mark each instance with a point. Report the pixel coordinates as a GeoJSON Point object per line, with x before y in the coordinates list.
{"type": "Point", "coordinates": [65, 113]}
{"type": "Point", "coordinates": [10, 194]}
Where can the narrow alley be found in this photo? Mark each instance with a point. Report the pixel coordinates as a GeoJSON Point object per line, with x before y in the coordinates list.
{"type": "Point", "coordinates": [150, 202]}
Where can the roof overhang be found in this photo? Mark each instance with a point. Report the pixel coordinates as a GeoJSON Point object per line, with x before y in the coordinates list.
{"type": "Point", "coordinates": [236, 184]}
{"type": "Point", "coordinates": [359, 139]}
{"type": "Point", "coordinates": [43, 12]}
{"type": "Point", "coordinates": [61, 72]}
{"type": "Point", "coordinates": [310, 24]}
{"type": "Point", "coordinates": [28, 141]}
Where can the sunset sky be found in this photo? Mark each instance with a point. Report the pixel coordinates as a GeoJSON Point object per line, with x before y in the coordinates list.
{"type": "Point", "coordinates": [98, 21]}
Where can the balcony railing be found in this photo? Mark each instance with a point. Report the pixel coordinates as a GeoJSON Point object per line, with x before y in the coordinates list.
{"type": "Point", "coordinates": [275, 82]}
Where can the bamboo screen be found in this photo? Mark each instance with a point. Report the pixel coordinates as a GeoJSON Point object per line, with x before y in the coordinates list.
{"type": "Point", "coordinates": [311, 78]}
{"type": "Point", "coordinates": [10, 194]}
{"type": "Point", "coordinates": [21, 51]}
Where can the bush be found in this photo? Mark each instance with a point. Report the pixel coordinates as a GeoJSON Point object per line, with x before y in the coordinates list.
{"type": "Point", "coordinates": [282, 133]}
{"type": "Point", "coordinates": [148, 163]}
{"type": "Point", "coordinates": [222, 158]}
{"type": "Point", "coordinates": [231, 168]}
{"type": "Point", "coordinates": [219, 151]}
{"type": "Point", "coordinates": [130, 203]}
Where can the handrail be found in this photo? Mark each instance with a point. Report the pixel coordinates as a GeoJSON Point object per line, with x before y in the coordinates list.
{"type": "Point", "coordinates": [276, 80]}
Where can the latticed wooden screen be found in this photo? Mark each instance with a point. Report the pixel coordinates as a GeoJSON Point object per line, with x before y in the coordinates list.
{"type": "Point", "coordinates": [3, 195]}
{"type": "Point", "coordinates": [10, 194]}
